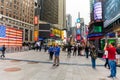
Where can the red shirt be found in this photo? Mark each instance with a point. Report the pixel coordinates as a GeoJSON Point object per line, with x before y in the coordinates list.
{"type": "Point", "coordinates": [111, 53]}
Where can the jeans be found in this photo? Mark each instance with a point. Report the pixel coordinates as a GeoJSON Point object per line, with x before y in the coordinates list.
{"type": "Point", "coordinates": [93, 62]}
{"type": "Point", "coordinates": [112, 64]}
{"type": "Point", "coordinates": [107, 63]}
{"type": "Point", "coordinates": [51, 55]}
{"type": "Point", "coordinates": [3, 54]}
{"type": "Point", "coordinates": [87, 54]}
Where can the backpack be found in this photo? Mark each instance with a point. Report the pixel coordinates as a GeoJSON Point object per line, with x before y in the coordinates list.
{"type": "Point", "coordinates": [93, 54]}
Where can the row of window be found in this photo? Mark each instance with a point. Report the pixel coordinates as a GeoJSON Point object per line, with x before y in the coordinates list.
{"type": "Point", "coordinates": [15, 22]}
{"type": "Point", "coordinates": [28, 32]}
{"type": "Point", "coordinates": [28, 19]}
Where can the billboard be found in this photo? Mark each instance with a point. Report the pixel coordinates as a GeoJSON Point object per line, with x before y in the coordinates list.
{"type": "Point", "coordinates": [36, 20]}
{"type": "Point", "coordinates": [44, 30]}
{"type": "Point", "coordinates": [10, 36]}
{"type": "Point", "coordinates": [97, 29]}
{"type": "Point", "coordinates": [111, 11]}
{"type": "Point", "coordinates": [36, 35]}
{"type": "Point", "coordinates": [44, 27]}
{"type": "Point", "coordinates": [78, 37]}
{"type": "Point", "coordinates": [97, 11]}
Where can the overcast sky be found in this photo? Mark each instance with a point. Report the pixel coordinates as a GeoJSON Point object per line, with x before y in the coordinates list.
{"type": "Point", "coordinates": [75, 6]}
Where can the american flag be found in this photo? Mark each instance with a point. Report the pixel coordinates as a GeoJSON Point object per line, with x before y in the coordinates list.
{"type": "Point", "coordinates": [10, 36]}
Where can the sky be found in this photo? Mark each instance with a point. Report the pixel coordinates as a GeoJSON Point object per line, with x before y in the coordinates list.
{"type": "Point", "coordinates": [75, 6]}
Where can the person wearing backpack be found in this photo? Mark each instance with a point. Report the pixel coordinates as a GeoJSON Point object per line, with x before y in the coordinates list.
{"type": "Point", "coordinates": [93, 55]}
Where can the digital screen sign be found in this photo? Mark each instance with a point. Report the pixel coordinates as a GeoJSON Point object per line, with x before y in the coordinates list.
{"type": "Point", "coordinates": [78, 31]}
{"type": "Point", "coordinates": [97, 29]}
{"type": "Point", "coordinates": [78, 37]}
{"type": "Point", "coordinates": [36, 20]}
{"type": "Point", "coordinates": [98, 11]}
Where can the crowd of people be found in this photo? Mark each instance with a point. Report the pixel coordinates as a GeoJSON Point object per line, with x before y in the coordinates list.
{"type": "Point", "coordinates": [111, 53]}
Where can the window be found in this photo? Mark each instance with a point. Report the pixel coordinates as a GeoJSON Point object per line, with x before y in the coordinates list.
{"type": "Point", "coordinates": [22, 32]}
{"type": "Point", "coordinates": [1, 12]}
{"type": "Point", "coordinates": [26, 35]}
{"type": "Point", "coordinates": [31, 36]}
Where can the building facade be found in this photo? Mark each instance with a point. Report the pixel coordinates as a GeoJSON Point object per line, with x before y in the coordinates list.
{"type": "Point", "coordinates": [53, 13]}
{"type": "Point", "coordinates": [96, 23]}
{"type": "Point", "coordinates": [18, 14]}
{"type": "Point", "coordinates": [112, 20]}
{"type": "Point", "coordinates": [69, 23]}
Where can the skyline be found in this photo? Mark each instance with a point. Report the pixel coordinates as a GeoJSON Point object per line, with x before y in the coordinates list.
{"type": "Point", "coordinates": [73, 10]}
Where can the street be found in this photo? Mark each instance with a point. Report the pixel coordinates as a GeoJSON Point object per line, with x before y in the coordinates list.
{"type": "Point", "coordinates": [35, 65]}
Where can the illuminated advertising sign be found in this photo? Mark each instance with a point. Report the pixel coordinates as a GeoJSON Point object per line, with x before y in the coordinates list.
{"type": "Point", "coordinates": [78, 37]}
{"type": "Point", "coordinates": [97, 29]}
{"type": "Point", "coordinates": [36, 35]}
{"type": "Point", "coordinates": [78, 25]}
{"type": "Point", "coordinates": [78, 31]}
{"type": "Point", "coordinates": [10, 36]}
{"type": "Point", "coordinates": [78, 20]}
{"type": "Point", "coordinates": [94, 35]}
{"type": "Point", "coordinates": [56, 32]}
{"type": "Point", "coordinates": [36, 20]}
{"type": "Point", "coordinates": [98, 11]}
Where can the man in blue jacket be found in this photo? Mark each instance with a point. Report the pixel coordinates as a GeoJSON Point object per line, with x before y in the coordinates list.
{"type": "Point", "coordinates": [51, 52]}
{"type": "Point", "coordinates": [56, 53]}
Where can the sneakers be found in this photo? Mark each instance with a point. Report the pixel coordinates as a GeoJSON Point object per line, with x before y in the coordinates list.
{"type": "Point", "coordinates": [110, 76]}
{"type": "Point", "coordinates": [55, 64]}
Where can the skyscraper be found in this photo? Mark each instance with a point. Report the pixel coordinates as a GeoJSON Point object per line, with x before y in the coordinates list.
{"type": "Point", "coordinates": [53, 12]}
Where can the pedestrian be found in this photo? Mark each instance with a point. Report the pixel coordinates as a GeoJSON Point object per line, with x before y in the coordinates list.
{"type": "Point", "coordinates": [69, 50]}
{"type": "Point", "coordinates": [36, 46]}
{"type": "Point", "coordinates": [87, 48]}
{"type": "Point", "coordinates": [93, 54]}
{"type": "Point", "coordinates": [112, 59]}
{"type": "Point", "coordinates": [50, 50]}
{"type": "Point", "coordinates": [74, 50]}
{"type": "Point", "coordinates": [106, 58]}
{"type": "Point", "coordinates": [45, 47]}
{"type": "Point", "coordinates": [79, 50]}
{"type": "Point", "coordinates": [56, 50]}
{"type": "Point", "coordinates": [3, 51]}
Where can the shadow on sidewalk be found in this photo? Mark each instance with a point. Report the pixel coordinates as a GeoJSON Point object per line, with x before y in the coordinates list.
{"type": "Point", "coordinates": [48, 62]}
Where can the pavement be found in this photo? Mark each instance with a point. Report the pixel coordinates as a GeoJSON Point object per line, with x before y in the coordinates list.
{"type": "Point", "coordinates": [35, 65]}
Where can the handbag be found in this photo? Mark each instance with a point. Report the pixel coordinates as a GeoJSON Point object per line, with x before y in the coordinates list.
{"type": "Point", "coordinates": [104, 56]}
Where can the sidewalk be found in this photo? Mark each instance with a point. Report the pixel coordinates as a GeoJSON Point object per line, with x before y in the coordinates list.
{"type": "Point", "coordinates": [33, 65]}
